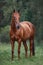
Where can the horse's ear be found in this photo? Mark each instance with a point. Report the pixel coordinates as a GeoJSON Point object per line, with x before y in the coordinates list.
{"type": "Point", "coordinates": [14, 10]}
{"type": "Point", "coordinates": [18, 11]}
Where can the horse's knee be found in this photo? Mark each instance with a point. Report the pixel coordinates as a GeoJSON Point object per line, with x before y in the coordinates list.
{"type": "Point", "coordinates": [18, 51]}
{"type": "Point", "coordinates": [26, 49]}
{"type": "Point", "coordinates": [12, 51]}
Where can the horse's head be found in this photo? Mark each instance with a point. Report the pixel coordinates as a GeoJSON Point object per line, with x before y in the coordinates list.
{"type": "Point", "coordinates": [15, 18]}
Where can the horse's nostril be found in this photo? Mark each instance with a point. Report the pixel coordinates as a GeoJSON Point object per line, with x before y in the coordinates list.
{"type": "Point", "coordinates": [14, 17]}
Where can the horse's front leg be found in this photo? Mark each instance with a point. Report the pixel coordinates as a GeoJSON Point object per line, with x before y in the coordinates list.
{"type": "Point", "coordinates": [12, 46]}
{"type": "Point", "coordinates": [19, 45]}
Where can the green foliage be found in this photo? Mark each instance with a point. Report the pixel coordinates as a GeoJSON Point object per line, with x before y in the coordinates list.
{"type": "Point", "coordinates": [4, 34]}
{"type": "Point", "coordinates": [31, 10]}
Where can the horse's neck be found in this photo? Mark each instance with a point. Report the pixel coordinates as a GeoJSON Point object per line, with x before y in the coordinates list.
{"type": "Point", "coordinates": [13, 27]}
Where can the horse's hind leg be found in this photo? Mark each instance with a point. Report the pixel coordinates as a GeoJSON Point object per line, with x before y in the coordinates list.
{"type": "Point", "coordinates": [32, 51]}
{"type": "Point", "coordinates": [26, 48]}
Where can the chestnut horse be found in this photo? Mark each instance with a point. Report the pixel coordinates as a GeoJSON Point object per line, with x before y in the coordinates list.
{"type": "Point", "coordinates": [20, 32]}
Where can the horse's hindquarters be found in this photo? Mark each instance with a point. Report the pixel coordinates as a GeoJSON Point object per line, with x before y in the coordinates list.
{"type": "Point", "coordinates": [27, 30]}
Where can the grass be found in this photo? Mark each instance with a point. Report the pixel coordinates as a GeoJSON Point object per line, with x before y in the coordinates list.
{"type": "Point", "coordinates": [5, 56]}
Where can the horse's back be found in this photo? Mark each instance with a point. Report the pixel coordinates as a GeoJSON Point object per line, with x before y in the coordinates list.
{"type": "Point", "coordinates": [29, 25]}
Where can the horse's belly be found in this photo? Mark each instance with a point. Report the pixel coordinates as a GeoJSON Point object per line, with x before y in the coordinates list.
{"type": "Point", "coordinates": [26, 34]}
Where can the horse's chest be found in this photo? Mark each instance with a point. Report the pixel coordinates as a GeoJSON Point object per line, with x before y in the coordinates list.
{"type": "Point", "coordinates": [17, 35]}
{"type": "Point", "coordinates": [14, 35]}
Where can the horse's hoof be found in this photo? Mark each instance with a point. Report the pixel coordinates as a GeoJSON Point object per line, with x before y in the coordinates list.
{"type": "Point", "coordinates": [33, 54]}
{"type": "Point", "coordinates": [19, 58]}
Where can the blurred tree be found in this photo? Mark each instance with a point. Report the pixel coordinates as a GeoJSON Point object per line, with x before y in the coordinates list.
{"type": "Point", "coordinates": [31, 10]}
{"type": "Point", "coordinates": [2, 3]}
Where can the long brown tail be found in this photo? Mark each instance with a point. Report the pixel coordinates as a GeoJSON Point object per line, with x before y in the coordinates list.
{"type": "Point", "coordinates": [33, 50]}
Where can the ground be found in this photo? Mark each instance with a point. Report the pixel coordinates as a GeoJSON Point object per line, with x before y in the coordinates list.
{"type": "Point", "coordinates": [5, 55]}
